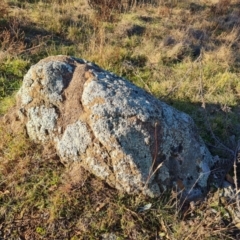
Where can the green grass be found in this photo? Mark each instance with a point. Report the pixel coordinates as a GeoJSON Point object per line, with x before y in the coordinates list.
{"type": "Point", "coordinates": [39, 198]}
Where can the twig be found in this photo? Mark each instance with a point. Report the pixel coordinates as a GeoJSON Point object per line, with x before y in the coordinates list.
{"type": "Point", "coordinates": [29, 49]}
{"type": "Point", "coordinates": [151, 172]}
{"type": "Point", "coordinates": [178, 85]}
{"type": "Point", "coordinates": [136, 73]}
{"type": "Point", "coordinates": [215, 138]}
{"type": "Point", "coordinates": [200, 175]}
{"type": "Point", "coordinates": [130, 66]}
{"type": "Point", "coordinates": [201, 80]}
{"type": "Point", "coordinates": [205, 111]}
{"type": "Point", "coordinates": [235, 173]}
{"type": "Point", "coordinates": [182, 79]}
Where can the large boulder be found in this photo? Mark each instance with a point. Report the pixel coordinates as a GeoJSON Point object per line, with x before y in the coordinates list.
{"type": "Point", "coordinates": [112, 128]}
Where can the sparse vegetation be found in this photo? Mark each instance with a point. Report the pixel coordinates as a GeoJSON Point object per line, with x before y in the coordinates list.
{"type": "Point", "coordinates": [183, 52]}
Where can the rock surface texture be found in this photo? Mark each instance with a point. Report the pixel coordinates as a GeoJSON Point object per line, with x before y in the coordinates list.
{"type": "Point", "coordinates": [112, 128]}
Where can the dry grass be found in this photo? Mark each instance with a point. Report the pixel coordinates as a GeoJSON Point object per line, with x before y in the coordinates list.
{"type": "Point", "coordinates": [40, 200]}
{"type": "Point", "coordinates": [186, 53]}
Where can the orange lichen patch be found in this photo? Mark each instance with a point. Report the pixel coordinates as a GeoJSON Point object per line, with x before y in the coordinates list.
{"type": "Point", "coordinates": [132, 120]}
{"type": "Point", "coordinates": [89, 76]}
{"type": "Point", "coordinates": [96, 101]}
{"type": "Point", "coordinates": [84, 117]}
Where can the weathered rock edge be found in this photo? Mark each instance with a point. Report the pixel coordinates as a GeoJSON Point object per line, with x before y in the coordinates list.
{"type": "Point", "coordinates": [112, 128]}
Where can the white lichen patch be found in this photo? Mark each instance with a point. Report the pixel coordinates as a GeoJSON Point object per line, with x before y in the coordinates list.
{"type": "Point", "coordinates": [112, 119]}
{"type": "Point", "coordinates": [41, 123]}
{"type": "Point", "coordinates": [114, 124]}
{"type": "Point", "coordinates": [100, 170]}
{"type": "Point", "coordinates": [44, 80]}
{"type": "Point", "coordinates": [52, 81]}
{"type": "Point", "coordinates": [74, 141]}
{"type": "Point", "coordinates": [24, 92]}
{"type": "Point", "coordinates": [122, 98]}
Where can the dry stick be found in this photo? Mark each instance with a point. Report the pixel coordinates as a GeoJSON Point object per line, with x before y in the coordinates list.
{"type": "Point", "coordinates": [165, 228]}
{"type": "Point", "coordinates": [129, 65]}
{"type": "Point", "coordinates": [233, 153]}
{"type": "Point", "coordinates": [186, 75]}
{"type": "Point", "coordinates": [201, 81]}
{"type": "Point", "coordinates": [199, 59]}
{"type": "Point", "coordinates": [234, 40]}
{"type": "Point", "coordinates": [155, 136]}
{"type": "Point", "coordinates": [155, 157]}
{"type": "Point", "coordinates": [201, 174]}
{"type": "Point", "coordinates": [127, 209]}
{"type": "Point", "coordinates": [29, 49]}
{"type": "Point", "coordinates": [235, 174]}
{"type": "Point", "coordinates": [216, 138]}
{"type": "Point", "coordinates": [156, 149]}
{"type": "Point", "coordinates": [204, 107]}
{"type": "Point", "coordinates": [136, 73]}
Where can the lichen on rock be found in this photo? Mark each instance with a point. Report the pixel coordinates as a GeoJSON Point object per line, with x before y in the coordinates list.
{"type": "Point", "coordinates": [42, 123]}
{"type": "Point", "coordinates": [114, 129]}
{"type": "Point", "coordinates": [74, 141]}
